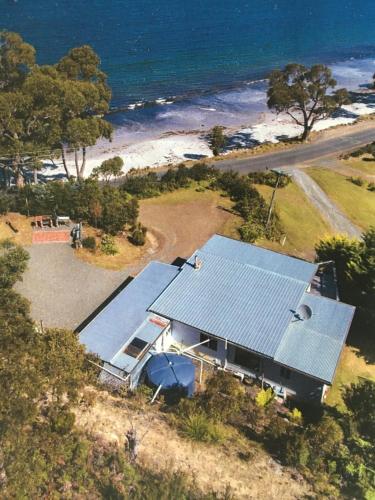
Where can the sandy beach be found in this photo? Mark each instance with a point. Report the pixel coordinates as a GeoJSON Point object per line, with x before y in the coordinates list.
{"type": "Point", "coordinates": [172, 147]}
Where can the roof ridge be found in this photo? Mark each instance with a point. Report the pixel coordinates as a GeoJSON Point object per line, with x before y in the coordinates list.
{"type": "Point", "coordinates": [245, 264]}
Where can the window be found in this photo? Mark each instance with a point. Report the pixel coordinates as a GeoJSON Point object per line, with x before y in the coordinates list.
{"type": "Point", "coordinates": [136, 348]}
{"type": "Point", "coordinates": [285, 372]}
{"type": "Point", "coordinates": [247, 359]}
{"type": "Point", "coordinates": [211, 344]}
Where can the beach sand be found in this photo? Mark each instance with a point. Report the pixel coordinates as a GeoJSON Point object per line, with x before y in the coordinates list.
{"type": "Point", "coordinates": [176, 147]}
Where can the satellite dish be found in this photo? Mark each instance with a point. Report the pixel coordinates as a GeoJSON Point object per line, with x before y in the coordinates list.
{"type": "Point", "coordinates": [304, 312]}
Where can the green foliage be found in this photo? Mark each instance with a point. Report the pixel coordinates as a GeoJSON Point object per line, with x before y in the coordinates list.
{"type": "Point", "coordinates": [13, 263]}
{"type": "Point", "coordinates": [360, 401]}
{"type": "Point", "coordinates": [265, 397]}
{"type": "Point", "coordinates": [109, 168]}
{"type": "Point", "coordinates": [371, 186]}
{"type": "Point", "coordinates": [223, 396]}
{"type": "Point", "coordinates": [296, 416]}
{"type": "Point", "coordinates": [199, 428]}
{"type": "Point", "coordinates": [358, 181]}
{"type": "Point", "coordinates": [138, 234]}
{"type": "Point", "coordinates": [368, 149]}
{"type": "Point", "coordinates": [217, 140]}
{"type": "Point", "coordinates": [90, 243]}
{"type": "Point", "coordinates": [305, 94]}
{"type": "Point", "coordinates": [251, 232]}
{"type": "Point", "coordinates": [269, 178]}
{"type": "Point", "coordinates": [6, 203]}
{"type": "Point", "coordinates": [108, 245]}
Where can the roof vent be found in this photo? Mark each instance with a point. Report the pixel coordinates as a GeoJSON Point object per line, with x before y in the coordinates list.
{"type": "Point", "coordinates": [197, 262]}
{"type": "Point", "coordinates": [303, 312]}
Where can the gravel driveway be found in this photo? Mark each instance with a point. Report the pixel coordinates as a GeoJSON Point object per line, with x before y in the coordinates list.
{"type": "Point", "coordinates": [62, 289]}
{"type": "Point", "coordinates": [336, 219]}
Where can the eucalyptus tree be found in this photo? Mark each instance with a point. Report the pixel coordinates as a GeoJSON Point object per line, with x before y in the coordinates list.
{"type": "Point", "coordinates": [307, 95]}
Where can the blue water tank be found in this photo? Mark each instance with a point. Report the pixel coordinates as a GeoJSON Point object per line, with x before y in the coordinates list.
{"type": "Point", "coordinates": [173, 372]}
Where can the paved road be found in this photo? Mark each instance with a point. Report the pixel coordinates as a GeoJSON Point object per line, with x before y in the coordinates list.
{"type": "Point", "coordinates": [300, 154]}
{"type": "Point", "coordinates": [335, 218]}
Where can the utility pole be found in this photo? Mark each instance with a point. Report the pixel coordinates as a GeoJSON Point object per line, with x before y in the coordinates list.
{"type": "Point", "coordinates": [272, 203]}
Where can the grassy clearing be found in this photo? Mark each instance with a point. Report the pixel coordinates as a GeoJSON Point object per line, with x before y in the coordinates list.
{"type": "Point", "coordinates": [352, 366]}
{"type": "Point", "coordinates": [302, 223]}
{"type": "Point", "coordinates": [22, 223]}
{"type": "Point", "coordinates": [364, 165]}
{"type": "Point", "coordinates": [355, 201]}
{"type": "Point", "coordinates": [128, 254]}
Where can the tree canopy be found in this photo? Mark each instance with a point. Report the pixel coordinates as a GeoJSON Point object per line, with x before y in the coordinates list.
{"type": "Point", "coordinates": [307, 95]}
{"type": "Point", "coordinates": [47, 110]}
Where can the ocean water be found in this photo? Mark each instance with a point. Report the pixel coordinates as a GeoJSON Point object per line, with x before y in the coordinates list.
{"type": "Point", "coordinates": [188, 65]}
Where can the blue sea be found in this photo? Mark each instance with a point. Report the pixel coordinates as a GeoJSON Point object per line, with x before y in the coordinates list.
{"type": "Point", "coordinates": [187, 65]}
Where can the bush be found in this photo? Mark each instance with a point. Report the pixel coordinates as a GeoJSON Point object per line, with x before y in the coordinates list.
{"type": "Point", "coordinates": [90, 243]}
{"type": "Point", "coordinates": [358, 181]}
{"type": "Point", "coordinates": [6, 202]}
{"type": "Point", "coordinates": [264, 397]}
{"type": "Point", "coordinates": [371, 186]}
{"type": "Point", "coordinates": [269, 179]}
{"type": "Point", "coordinates": [200, 428]}
{"type": "Point", "coordinates": [108, 245]}
{"type": "Point", "coordinates": [251, 232]}
{"type": "Point", "coordinates": [138, 235]}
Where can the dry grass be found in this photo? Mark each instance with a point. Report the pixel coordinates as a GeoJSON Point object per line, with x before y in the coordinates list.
{"type": "Point", "coordinates": [128, 254]}
{"type": "Point", "coordinates": [355, 201]}
{"type": "Point", "coordinates": [352, 366]}
{"type": "Point", "coordinates": [22, 223]}
{"type": "Point", "coordinates": [302, 223]}
{"type": "Point", "coordinates": [363, 166]}
{"type": "Point", "coordinates": [185, 219]}
{"type": "Point", "coordinates": [211, 467]}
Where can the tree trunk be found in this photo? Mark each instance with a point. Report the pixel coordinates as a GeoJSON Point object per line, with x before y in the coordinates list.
{"type": "Point", "coordinates": [35, 176]}
{"type": "Point", "coordinates": [20, 181]}
{"type": "Point", "coordinates": [76, 163]}
{"type": "Point", "coordinates": [306, 132]}
{"type": "Point", "coordinates": [83, 165]}
{"type": "Point", "coordinates": [64, 161]}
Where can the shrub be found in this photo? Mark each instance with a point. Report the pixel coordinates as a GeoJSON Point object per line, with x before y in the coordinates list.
{"type": "Point", "coordinates": [6, 202]}
{"type": "Point", "coordinates": [200, 428]}
{"type": "Point", "coordinates": [89, 242]}
{"type": "Point", "coordinates": [264, 397]}
{"type": "Point", "coordinates": [251, 232]}
{"type": "Point", "coordinates": [371, 186]}
{"type": "Point", "coordinates": [138, 235]}
{"type": "Point", "coordinates": [269, 179]}
{"type": "Point", "coordinates": [358, 181]}
{"type": "Point", "coordinates": [108, 245]}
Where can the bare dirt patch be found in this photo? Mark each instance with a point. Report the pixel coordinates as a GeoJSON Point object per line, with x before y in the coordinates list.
{"type": "Point", "coordinates": [210, 467]}
{"type": "Point", "coordinates": [184, 220]}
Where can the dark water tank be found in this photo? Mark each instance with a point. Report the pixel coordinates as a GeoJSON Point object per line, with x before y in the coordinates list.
{"type": "Point", "coordinates": [173, 372]}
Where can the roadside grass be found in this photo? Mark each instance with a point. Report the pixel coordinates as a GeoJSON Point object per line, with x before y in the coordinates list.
{"type": "Point", "coordinates": [128, 254]}
{"type": "Point", "coordinates": [355, 201]}
{"type": "Point", "coordinates": [20, 222]}
{"type": "Point", "coordinates": [302, 222]}
{"type": "Point", "coordinates": [365, 164]}
{"type": "Point", "coordinates": [351, 368]}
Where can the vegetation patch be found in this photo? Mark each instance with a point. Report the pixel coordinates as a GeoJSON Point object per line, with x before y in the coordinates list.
{"type": "Point", "coordinates": [355, 201]}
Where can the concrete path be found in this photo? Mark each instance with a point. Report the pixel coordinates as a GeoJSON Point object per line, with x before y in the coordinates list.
{"type": "Point", "coordinates": [62, 289]}
{"type": "Point", "coordinates": [333, 215]}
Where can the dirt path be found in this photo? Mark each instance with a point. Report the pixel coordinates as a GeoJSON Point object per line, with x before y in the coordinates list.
{"type": "Point", "coordinates": [182, 227]}
{"type": "Point", "coordinates": [337, 220]}
{"type": "Point", "coordinates": [209, 466]}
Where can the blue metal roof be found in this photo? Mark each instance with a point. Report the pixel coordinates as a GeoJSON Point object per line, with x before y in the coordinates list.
{"type": "Point", "coordinates": [239, 302]}
{"type": "Point", "coordinates": [245, 253]}
{"type": "Point", "coordinates": [249, 296]}
{"type": "Point", "coordinates": [116, 324]}
{"type": "Point", "coordinates": [314, 345]}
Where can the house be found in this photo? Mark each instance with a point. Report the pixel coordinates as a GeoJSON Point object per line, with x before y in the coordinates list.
{"type": "Point", "coordinates": [246, 309]}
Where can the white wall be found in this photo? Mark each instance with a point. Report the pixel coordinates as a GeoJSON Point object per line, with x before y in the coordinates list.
{"type": "Point", "coordinates": [298, 383]}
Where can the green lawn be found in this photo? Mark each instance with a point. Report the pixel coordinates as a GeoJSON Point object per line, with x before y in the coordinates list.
{"type": "Point", "coordinates": [355, 201]}
{"type": "Point", "coordinates": [302, 222]}
{"type": "Point", "coordinates": [360, 164]}
{"type": "Point", "coordinates": [351, 368]}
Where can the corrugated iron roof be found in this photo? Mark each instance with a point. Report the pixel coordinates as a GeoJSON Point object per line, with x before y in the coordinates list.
{"type": "Point", "coordinates": [314, 345]}
{"type": "Point", "coordinates": [245, 253]}
{"type": "Point", "coordinates": [250, 297]}
{"type": "Point", "coordinates": [115, 325]}
{"type": "Point", "coordinates": [239, 302]}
